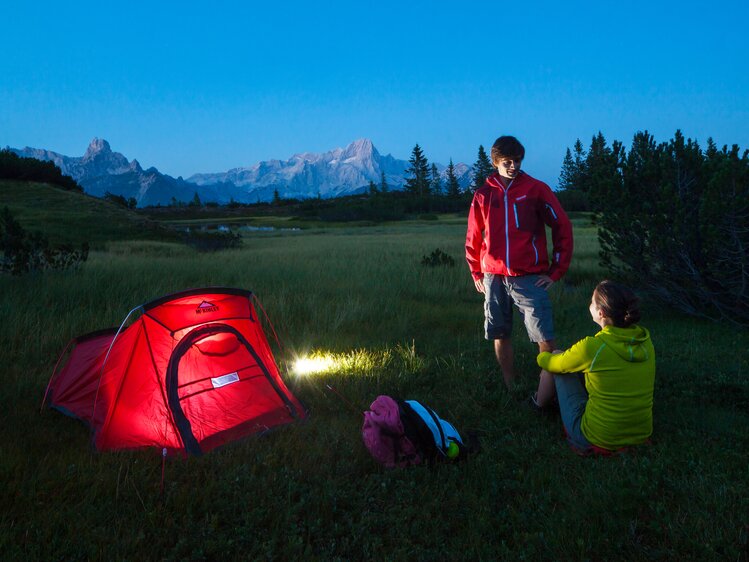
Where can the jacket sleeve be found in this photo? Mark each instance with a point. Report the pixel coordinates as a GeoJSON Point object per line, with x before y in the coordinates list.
{"type": "Point", "coordinates": [475, 237]}
{"type": "Point", "coordinates": [577, 358]}
{"type": "Point", "coordinates": [561, 233]}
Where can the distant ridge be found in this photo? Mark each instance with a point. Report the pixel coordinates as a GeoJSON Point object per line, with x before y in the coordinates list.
{"type": "Point", "coordinates": [341, 171]}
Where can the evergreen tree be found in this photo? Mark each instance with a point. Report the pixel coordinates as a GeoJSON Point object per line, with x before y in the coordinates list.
{"type": "Point", "coordinates": [568, 174]}
{"type": "Point", "coordinates": [196, 201]}
{"type": "Point", "coordinates": [672, 219]}
{"type": "Point", "coordinates": [600, 174]}
{"type": "Point", "coordinates": [573, 168]}
{"type": "Point", "coordinates": [572, 180]}
{"type": "Point", "coordinates": [276, 197]}
{"type": "Point", "coordinates": [383, 183]}
{"type": "Point", "coordinates": [372, 188]}
{"type": "Point", "coordinates": [579, 156]}
{"type": "Point", "coordinates": [436, 181]}
{"type": "Point", "coordinates": [482, 169]}
{"type": "Point", "coordinates": [418, 183]}
{"type": "Point", "coordinates": [453, 187]}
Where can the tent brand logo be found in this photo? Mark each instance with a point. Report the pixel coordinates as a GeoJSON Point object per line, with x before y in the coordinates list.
{"type": "Point", "coordinates": [206, 307]}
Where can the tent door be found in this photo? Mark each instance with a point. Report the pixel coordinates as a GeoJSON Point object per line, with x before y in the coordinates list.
{"type": "Point", "coordinates": [205, 370]}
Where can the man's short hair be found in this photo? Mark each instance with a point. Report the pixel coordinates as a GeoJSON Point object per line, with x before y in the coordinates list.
{"type": "Point", "coordinates": [507, 147]}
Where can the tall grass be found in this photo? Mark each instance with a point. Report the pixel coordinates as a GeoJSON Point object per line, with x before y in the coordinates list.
{"type": "Point", "coordinates": [311, 491]}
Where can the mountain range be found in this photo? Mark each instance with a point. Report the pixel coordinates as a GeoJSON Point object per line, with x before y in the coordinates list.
{"type": "Point", "coordinates": [338, 172]}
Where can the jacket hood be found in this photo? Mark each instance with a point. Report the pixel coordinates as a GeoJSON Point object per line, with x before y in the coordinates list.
{"type": "Point", "coordinates": [628, 343]}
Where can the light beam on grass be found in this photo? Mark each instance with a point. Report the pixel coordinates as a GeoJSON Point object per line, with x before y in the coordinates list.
{"type": "Point", "coordinates": [358, 362]}
{"type": "Point", "coordinates": [319, 363]}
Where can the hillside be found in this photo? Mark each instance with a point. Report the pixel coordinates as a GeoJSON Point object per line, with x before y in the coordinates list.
{"type": "Point", "coordinates": [70, 217]}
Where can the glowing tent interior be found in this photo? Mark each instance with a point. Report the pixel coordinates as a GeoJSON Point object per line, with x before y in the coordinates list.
{"type": "Point", "coordinates": [192, 372]}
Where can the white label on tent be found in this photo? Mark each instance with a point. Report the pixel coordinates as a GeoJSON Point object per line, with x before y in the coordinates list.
{"type": "Point", "coordinates": [223, 380]}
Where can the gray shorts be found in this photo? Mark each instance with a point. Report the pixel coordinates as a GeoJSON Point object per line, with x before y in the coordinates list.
{"type": "Point", "coordinates": [533, 302]}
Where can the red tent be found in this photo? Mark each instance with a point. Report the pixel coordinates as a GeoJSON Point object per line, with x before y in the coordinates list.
{"type": "Point", "coordinates": [193, 372]}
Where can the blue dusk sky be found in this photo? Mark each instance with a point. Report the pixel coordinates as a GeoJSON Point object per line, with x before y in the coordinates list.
{"type": "Point", "coordinates": [204, 87]}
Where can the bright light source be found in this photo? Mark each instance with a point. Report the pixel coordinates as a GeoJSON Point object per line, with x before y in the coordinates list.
{"type": "Point", "coordinates": [317, 364]}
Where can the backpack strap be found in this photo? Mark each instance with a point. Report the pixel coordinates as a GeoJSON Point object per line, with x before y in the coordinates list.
{"type": "Point", "coordinates": [417, 429]}
{"type": "Point", "coordinates": [433, 423]}
{"type": "Point", "coordinates": [438, 423]}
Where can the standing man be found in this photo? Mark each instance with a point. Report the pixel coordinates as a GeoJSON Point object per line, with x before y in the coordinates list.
{"type": "Point", "coordinates": [508, 258]}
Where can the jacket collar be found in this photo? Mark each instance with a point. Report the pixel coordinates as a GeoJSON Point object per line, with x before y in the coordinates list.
{"type": "Point", "coordinates": [494, 181]}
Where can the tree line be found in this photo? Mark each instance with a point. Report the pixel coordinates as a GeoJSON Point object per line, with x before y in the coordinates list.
{"type": "Point", "coordinates": [14, 167]}
{"type": "Point", "coordinates": [672, 217]}
{"type": "Point", "coordinates": [426, 180]}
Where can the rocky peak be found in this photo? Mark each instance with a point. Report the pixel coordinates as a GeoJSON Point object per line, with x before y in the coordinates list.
{"type": "Point", "coordinates": [361, 149]}
{"type": "Point", "coordinates": [96, 146]}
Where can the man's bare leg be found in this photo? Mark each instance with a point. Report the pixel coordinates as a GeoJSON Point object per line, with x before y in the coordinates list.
{"type": "Point", "coordinates": [505, 358]}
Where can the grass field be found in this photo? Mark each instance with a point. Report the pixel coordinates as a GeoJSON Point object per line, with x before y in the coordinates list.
{"type": "Point", "coordinates": [311, 491]}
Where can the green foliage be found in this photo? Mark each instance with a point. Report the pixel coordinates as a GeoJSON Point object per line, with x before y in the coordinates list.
{"type": "Point", "coordinates": [14, 167]}
{"type": "Point", "coordinates": [573, 200]}
{"type": "Point", "coordinates": [196, 202]}
{"type": "Point", "coordinates": [383, 183]}
{"type": "Point", "coordinates": [418, 183]}
{"type": "Point", "coordinates": [482, 169]}
{"type": "Point", "coordinates": [438, 258]}
{"type": "Point", "coordinates": [674, 218]}
{"type": "Point", "coordinates": [572, 175]}
{"type": "Point", "coordinates": [453, 187]}
{"type": "Point", "coordinates": [436, 183]}
{"type": "Point", "coordinates": [24, 252]}
{"type": "Point", "coordinates": [129, 203]}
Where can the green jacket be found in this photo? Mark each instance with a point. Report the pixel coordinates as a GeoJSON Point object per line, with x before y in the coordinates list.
{"type": "Point", "coordinates": [619, 367]}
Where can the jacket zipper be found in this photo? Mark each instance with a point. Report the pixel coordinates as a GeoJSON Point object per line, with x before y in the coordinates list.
{"type": "Point", "coordinates": [551, 209]}
{"type": "Point", "coordinates": [507, 229]}
{"type": "Point", "coordinates": [533, 243]}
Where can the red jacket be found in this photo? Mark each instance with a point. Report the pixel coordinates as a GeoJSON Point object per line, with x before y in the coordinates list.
{"type": "Point", "coordinates": [506, 233]}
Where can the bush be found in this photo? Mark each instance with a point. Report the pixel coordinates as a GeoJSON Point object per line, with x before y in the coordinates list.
{"type": "Point", "coordinates": [675, 219]}
{"type": "Point", "coordinates": [438, 258]}
{"type": "Point", "coordinates": [24, 252]}
{"type": "Point", "coordinates": [119, 200]}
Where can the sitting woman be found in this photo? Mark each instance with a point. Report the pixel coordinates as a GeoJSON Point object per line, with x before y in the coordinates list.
{"type": "Point", "coordinates": [610, 405]}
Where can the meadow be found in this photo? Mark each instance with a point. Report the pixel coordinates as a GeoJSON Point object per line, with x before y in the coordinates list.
{"type": "Point", "coordinates": [310, 491]}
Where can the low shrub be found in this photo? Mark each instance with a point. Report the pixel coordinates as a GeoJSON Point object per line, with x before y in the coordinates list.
{"type": "Point", "coordinates": [438, 258]}
{"type": "Point", "coordinates": [24, 252]}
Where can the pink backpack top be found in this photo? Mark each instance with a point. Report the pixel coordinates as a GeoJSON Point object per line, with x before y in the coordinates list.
{"type": "Point", "coordinates": [384, 436]}
{"type": "Point", "coordinates": [403, 433]}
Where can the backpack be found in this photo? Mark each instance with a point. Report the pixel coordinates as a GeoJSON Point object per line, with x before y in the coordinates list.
{"type": "Point", "coordinates": [406, 432]}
